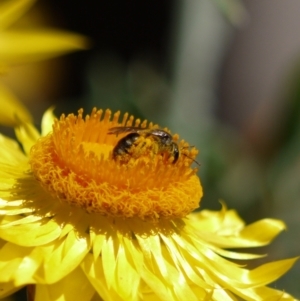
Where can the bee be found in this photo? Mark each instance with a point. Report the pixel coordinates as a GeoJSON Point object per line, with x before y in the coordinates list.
{"type": "Point", "coordinates": [164, 141]}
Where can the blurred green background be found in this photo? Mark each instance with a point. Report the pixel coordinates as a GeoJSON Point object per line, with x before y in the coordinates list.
{"type": "Point", "coordinates": [223, 74]}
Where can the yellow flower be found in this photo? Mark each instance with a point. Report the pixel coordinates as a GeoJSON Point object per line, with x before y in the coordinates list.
{"type": "Point", "coordinates": [24, 46]}
{"type": "Point", "coordinates": [82, 224]}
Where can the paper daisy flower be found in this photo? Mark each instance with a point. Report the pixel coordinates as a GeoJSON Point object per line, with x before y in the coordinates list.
{"type": "Point", "coordinates": [90, 215]}
{"type": "Point", "coordinates": [27, 45]}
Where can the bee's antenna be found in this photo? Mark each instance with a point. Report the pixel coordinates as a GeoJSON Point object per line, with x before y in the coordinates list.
{"type": "Point", "coordinates": [192, 159]}
{"type": "Point", "coordinates": [189, 156]}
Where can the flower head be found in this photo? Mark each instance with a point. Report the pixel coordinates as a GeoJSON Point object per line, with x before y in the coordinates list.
{"type": "Point", "coordinates": [79, 222]}
{"type": "Point", "coordinates": [74, 163]}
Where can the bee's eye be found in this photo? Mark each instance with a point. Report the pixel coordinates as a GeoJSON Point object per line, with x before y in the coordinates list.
{"type": "Point", "coordinates": [165, 138]}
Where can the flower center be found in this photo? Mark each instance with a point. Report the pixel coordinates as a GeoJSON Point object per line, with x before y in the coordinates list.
{"type": "Point", "coordinates": [131, 173]}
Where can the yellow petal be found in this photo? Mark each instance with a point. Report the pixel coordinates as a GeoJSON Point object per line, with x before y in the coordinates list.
{"type": "Point", "coordinates": [10, 151]}
{"type": "Point", "coordinates": [158, 269]}
{"type": "Point", "coordinates": [20, 221]}
{"type": "Point", "coordinates": [178, 258]}
{"type": "Point", "coordinates": [18, 264]}
{"type": "Point", "coordinates": [237, 255]}
{"type": "Point", "coordinates": [109, 259]}
{"type": "Point", "coordinates": [74, 286]}
{"type": "Point", "coordinates": [164, 292]}
{"type": "Point", "coordinates": [33, 234]}
{"type": "Point", "coordinates": [9, 174]}
{"type": "Point", "coordinates": [12, 111]}
{"type": "Point", "coordinates": [27, 135]}
{"type": "Point", "coordinates": [151, 246]}
{"type": "Point", "coordinates": [225, 229]}
{"type": "Point", "coordinates": [127, 278]}
{"type": "Point", "coordinates": [94, 272]}
{"type": "Point", "coordinates": [97, 245]}
{"type": "Point", "coordinates": [4, 203]}
{"type": "Point", "coordinates": [12, 10]}
{"type": "Point", "coordinates": [271, 271]}
{"type": "Point", "coordinates": [15, 211]}
{"type": "Point", "coordinates": [47, 121]}
{"type": "Point", "coordinates": [224, 222]}
{"type": "Point", "coordinates": [63, 257]}
{"type": "Point", "coordinates": [28, 46]}
{"type": "Point", "coordinates": [265, 294]}
{"type": "Point", "coordinates": [271, 228]}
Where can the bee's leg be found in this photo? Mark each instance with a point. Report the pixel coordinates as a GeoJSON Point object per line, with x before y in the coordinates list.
{"type": "Point", "coordinates": [175, 152]}
{"type": "Point", "coordinates": [141, 147]}
{"type": "Point", "coordinates": [155, 147]}
{"type": "Point", "coordinates": [147, 146]}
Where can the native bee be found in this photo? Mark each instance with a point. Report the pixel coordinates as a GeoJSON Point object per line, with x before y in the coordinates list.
{"type": "Point", "coordinates": [164, 143]}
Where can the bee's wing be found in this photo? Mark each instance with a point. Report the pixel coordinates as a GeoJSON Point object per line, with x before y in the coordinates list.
{"type": "Point", "coordinates": [123, 129]}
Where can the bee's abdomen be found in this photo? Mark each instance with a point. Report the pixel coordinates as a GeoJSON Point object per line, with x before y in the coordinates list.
{"type": "Point", "coordinates": [125, 144]}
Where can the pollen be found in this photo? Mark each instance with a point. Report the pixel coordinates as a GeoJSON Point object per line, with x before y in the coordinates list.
{"type": "Point", "coordinates": [75, 163]}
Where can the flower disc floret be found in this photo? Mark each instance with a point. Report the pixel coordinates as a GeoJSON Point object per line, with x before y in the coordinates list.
{"type": "Point", "coordinates": [75, 164]}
